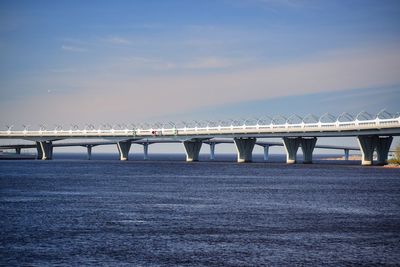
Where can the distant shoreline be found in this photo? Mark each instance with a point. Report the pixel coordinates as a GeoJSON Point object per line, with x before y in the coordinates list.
{"type": "Point", "coordinates": [12, 156]}
{"type": "Point", "coordinates": [352, 157]}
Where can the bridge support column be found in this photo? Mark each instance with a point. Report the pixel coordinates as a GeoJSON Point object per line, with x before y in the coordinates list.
{"type": "Point", "coordinates": [307, 146]}
{"type": "Point", "coordinates": [244, 148]}
{"type": "Point", "coordinates": [123, 149]}
{"type": "Point", "coordinates": [45, 150]}
{"type": "Point", "coordinates": [382, 148]}
{"type": "Point", "coordinates": [18, 150]}
{"type": "Point", "coordinates": [89, 152]}
{"type": "Point", "coordinates": [192, 149]}
{"type": "Point", "coordinates": [212, 151]}
{"type": "Point", "coordinates": [291, 146]}
{"type": "Point", "coordinates": [146, 151]}
{"type": "Point", "coordinates": [367, 146]}
{"type": "Point", "coordinates": [266, 152]}
{"type": "Point", "coordinates": [346, 154]}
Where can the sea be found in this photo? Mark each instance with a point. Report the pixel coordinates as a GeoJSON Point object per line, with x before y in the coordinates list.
{"type": "Point", "coordinates": [165, 212]}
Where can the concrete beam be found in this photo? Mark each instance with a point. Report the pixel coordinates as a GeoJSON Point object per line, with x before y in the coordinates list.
{"type": "Point", "coordinates": [123, 149]}
{"type": "Point", "coordinates": [307, 146]}
{"type": "Point", "coordinates": [192, 149]}
{"type": "Point", "coordinates": [382, 148]}
{"type": "Point", "coordinates": [45, 150]}
{"type": "Point", "coordinates": [291, 146]}
{"type": "Point", "coordinates": [244, 148]}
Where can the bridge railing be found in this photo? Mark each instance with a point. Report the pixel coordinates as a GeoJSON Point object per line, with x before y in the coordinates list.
{"type": "Point", "coordinates": [376, 123]}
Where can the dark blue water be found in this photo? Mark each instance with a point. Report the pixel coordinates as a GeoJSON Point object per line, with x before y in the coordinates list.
{"type": "Point", "coordinates": [171, 213]}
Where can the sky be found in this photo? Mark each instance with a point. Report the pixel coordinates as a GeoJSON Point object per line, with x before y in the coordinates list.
{"type": "Point", "coordinates": [64, 62]}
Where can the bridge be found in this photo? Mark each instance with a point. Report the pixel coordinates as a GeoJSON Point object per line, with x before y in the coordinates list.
{"type": "Point", "coordinates": [373, 133]}
{"type": "Point", "coordinates": [145, 143]}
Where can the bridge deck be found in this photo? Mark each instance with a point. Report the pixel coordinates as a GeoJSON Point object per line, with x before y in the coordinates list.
{"type": "Point", "coordinates": [352, 128]}
{"type": "Point", "coordinates": [154, 141]}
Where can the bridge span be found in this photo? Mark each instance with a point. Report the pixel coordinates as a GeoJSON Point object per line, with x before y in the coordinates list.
{"type": "Point", "coordinates": [146, 142]}
{"type": "Point", "coordinates": [373, 133]}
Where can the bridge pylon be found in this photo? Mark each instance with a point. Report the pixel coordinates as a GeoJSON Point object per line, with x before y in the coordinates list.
{"type": "Point", "coordinates": [123, 149]}
{"type": "Point", "coordinates": [145, 151]}
{"type": "Point", "coordinates": [368, 144]}
{"type": "Point", "coordinates": [266, 152]}
{"type": "Point", "coordinates": [192, 149]}
{"type": "Point", "coordinates": [307, 146]}
{"type": "Point", "coordinates": [291, 146]}
{"type": "Point", "coordinates": [89, 152]}
{"type": "Point", "coordinates": [212, 150]}
{"type": "Point", "coordinates": [44, 150]}
{"type": "Point", "coordinates": [244, 148]}
{"type": "Point", "coordinates": [382, 149]}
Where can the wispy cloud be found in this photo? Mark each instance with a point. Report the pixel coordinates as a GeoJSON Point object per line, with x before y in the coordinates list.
{"type": "Point", "coordinates": [116, 40]}
{"type": "Point", "coordinates": [148, 63]}
{"type": "Point", "coordinates": [200, 63]}
{"type": "Point", "coordinates": [276, 3]}
{"type": "Point", "coordinates": [345, 70]}
{"type": "Point", "coordinates": [288, 3]}
{"type": "Point", "coordinates": [73, 48]}
{"type": "Point", "coordinates": [205, 42]}
{"type": "Point", "coordinates": [75, 41]}
{"type": "Point", "coordinates": [276, 6]}
{"type": "Point", "coordinates": [209, 63]}
{"type": "Point", "coordinates": [64, 70]}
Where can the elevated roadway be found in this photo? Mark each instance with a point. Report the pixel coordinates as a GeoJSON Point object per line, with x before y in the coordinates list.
{"type": "Point", "coordinates": [373, 133]}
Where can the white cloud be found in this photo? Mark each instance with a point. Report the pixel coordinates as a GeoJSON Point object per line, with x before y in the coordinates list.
{"type": "Point", "coordinates": [75, 41]}
{"type": "Point", "coordinates": [203, 63]}
{"type": "Point", "coordinates": [144, 63]}
{"type": "Point", "coordinates": [73, 48]}
{"type": "Point", "coordinates": [64, 70]}
{"type": "Point", "coordinates": [209, 63]}
{"type": "Point", "coordinates": [115, 40]}
{"type": "Point", "coordinates": [275, 3]}
{"type": "Point", "coordinates": [110, 96]}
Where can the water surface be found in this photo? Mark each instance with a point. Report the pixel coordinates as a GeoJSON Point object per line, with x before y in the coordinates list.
{"type": "Point", "coordinates": [172, 213]}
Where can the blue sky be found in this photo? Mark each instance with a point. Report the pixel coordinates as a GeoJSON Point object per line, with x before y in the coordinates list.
{"type": "Point", "coordinates": [131, 61]}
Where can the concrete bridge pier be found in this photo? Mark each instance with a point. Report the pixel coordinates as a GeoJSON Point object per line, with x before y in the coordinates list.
{"type": "Point", "coordinates": [307, 146]}
{"type": "Point", "coordinates": [382, 148]}
{"type": "Point", "coordinates": [192, 149]}
{"type": "Point", "coordinates": [244, 148]}
{"type": "Point", "coordinates": [146, 151]}
{"type": "Point", "coordinates": [346, 154]}
{"type": "Point", "coordinates": [44, 149]}
{"type": "Point", "coordinates": [89, 151]}
{"type": "Point", "coordinates": [266, 152]}
{"type": "Point", "coordinates": [18, 150]}
{"type": "Point", "coordinates": [367, 146]}
{"type": "Point", "coordinates": [123, 149]}
{"type": "Point", "coordinates": [291, 146]}
{"type": "Point", "coordinates": [212, 151]}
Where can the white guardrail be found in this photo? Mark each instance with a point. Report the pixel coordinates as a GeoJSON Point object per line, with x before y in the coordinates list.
{"type": "Point", "coordinates": [271, 128]}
